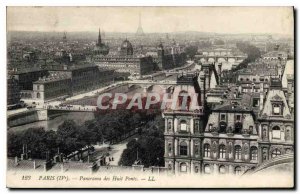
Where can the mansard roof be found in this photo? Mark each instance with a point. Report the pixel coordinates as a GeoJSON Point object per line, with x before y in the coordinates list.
{"type": "Point", "coordinates": [275, 95]}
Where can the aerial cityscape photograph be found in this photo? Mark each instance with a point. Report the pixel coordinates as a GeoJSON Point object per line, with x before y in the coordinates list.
{"type": "Point", "coordinates": [149, 96]}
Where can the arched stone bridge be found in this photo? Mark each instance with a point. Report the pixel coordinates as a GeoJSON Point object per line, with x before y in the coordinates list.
{"type": "Point", "coordinates": [220, 58]}
{"type": "Point", "coordinates": [148, 85]}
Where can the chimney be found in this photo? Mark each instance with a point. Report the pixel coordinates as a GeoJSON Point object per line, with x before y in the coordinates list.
{"type": "Point", "coordinates": [261, 96]}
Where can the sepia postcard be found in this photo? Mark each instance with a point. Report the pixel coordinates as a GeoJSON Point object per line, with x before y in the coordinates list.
{"type": "Point", "coordinates": [150, 97]}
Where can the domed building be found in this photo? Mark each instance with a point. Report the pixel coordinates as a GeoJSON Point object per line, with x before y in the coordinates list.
{"type": "Point", "coordinates": [101, 48]}
{"type": "Point", "coordinates": [125, 61]}
{"type": "Point", "coordinates": [126, 48]}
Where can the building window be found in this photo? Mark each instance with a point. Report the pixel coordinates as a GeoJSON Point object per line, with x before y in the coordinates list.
{"type": "Point", "coordinates": [238, 127]}
{"type": "Point", "coordinates": [237, 152]}
{"type": "Point", "coordinates": [222, 151]}
{"type": "Point", "coordinates": [196, 169]}
{"type": "Point", "coordinates": [169, 125]}
{"type": "Point", "coordinates": [255, 102]}
{"type": "Point", "coordinates": [223, 117]}
{"type": "Point", "coordinates": [288, 133]}
{"type": "Point", "coordinates": [38, 87]}
{"type": "Point", "coordinates": [170, 147]}
{"type": "Point", "coordinates": [276, 132]}
{"type": "Point", "coordinates": [250, 129]}
{"type": "Point", "coordinates": [238, 117]}
{"type": "Point", "coordinates": [38, 95]}
{"type": "Point", "coordinates": [183, 167]}
{"type": "Point", "coordinates": [196, 127]}
{"type": "Point", "coordinates": [206, 150]}
{"type": "Point", "coordinates": [210, 127]}
{"type": "Point", "coordinates": [222, 169]}
{"type": "Point", "coordinates": [183, 148]}
{"type": "Point", "coordinates": [207, 169]}
{"type": "Point", "coordinates": [253, 153]}
{"type": "Point", "coordinates": [183, 126]}
{"type": "Point", "coordinates": [222, 126]}
{"type": "Point", "coordinates": [237, 170]}
{"type": "Point", "coordinates": [275, 153]}
{"type": "Point", "coordinates": [196, 149]}
{"type": "Point", "coordinates": [276, 109]}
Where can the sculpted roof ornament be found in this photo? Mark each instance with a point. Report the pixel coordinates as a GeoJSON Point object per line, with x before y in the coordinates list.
{"type": "Point", "coordinates": [276, 98]}
{"type": "Point", "coordinates": [264, 115]}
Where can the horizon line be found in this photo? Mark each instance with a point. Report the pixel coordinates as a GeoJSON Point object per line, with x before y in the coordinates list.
{"type": "Point", "coordinates": [190, 31]}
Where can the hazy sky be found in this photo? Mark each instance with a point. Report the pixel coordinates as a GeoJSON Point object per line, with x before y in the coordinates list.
{"type": "Point", "coordinates": [154, 19]}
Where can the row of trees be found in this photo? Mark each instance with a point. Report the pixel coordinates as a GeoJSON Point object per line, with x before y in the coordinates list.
{"type": "Point", "coordinates": [69, 137]}
{"type": "Point", "coordinates": [252, 51]}
{"type": "Point", "coordinates": [148, 149]}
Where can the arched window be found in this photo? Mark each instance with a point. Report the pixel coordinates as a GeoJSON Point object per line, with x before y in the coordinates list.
{"type": "Point", "coordinates": [207, 169]}
{"type": "Point", "coordinates": [237, 152]}
{"type": "Point", "coordinates": [206, 150]}
{"type": "Point", "coordinates": [276, 152]}
{"type": "Point", "coordinates": [237, 170]}
{"type": "Point", "coordinates": [253, 153]}
{"type": "Point", "coordinates": [183, 126]}
{"type": "Point", "coordinates": [196, 169]}
{"type": "Point", "coordinates": [276, 132]}
{"type": "Point", "coordinates": [38, 95]}
{"type": "Point", "coordinates": [222, 151]}
{"type": "Point", "coordinates": [222, 169]}
{"type": "Point", "coordinates": [183, 167]}
{"type": "Point", "coordinates": [183, 148]}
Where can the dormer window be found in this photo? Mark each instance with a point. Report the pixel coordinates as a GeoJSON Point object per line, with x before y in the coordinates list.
{"type": "Point", "coordinates": [223, 117]}
{"type": "Point", "coordinates": [277, 109]}
{"type": "Point", "coordinates": [238, 117]}
{"type": "Point", "coordinates": [210, 127]}
{"type": "Point", "coordinates": [255, 102]}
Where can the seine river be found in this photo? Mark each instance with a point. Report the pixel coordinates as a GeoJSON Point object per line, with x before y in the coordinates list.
{"type": "Point", "coordinates": [78, 117]}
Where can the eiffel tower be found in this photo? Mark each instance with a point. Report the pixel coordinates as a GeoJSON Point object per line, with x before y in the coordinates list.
{"type": "Point", "coordinates": [65, 37]}
{"type": "Point", "coordinates": [140, 31]}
